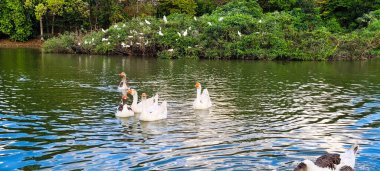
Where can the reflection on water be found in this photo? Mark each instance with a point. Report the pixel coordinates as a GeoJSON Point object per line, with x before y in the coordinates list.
{"type": "Point", "coordinates": [58, 112]}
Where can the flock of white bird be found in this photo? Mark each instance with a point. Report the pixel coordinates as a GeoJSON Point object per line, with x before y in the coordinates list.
{"type": "Point", "coordinates": [160, 33]}
{"type": "Point", "coordinates": [149, 109]}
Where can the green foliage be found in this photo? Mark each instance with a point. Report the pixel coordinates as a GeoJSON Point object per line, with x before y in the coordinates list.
{"type": "Point", "coordinates": [60, 44]}
{"type": "Point", "coordinates": [347, 11]}
{"type": "Point", "coordinates": [250, 7]}
{"type": "Point", "coordinates": [40, 11]}
{"type": "Point", "coordinates": [13, 20]}
{"type": "Point", "coordinates": [167, 7]}
{"type": "Point", "coordinates": [236, 30]}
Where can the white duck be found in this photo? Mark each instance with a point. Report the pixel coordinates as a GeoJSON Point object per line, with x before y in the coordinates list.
{"type": "Point", "coordinates": [123, 110]}
{"type": "Point", "coordinates": [203, 100]}
{"type": "Point", "coordinates": [138, 107]}
{"type": "Point", "coordinates": [155, 112]}
{"type": "Point", "coordinates": [123, 82]}
{"type": "Point", "coordinates": [331, 162]}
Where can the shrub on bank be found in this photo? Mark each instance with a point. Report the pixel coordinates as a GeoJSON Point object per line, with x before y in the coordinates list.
{"type": "Point", "coordinates": [60, 44]}
{"type": "Point", "coordinates": [237, 30]}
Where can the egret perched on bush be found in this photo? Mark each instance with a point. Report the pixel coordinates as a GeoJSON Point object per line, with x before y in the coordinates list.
{"type": "Point", "coordinates": [160, 33]}
{"type": "Point", "coordinates": [185, 33]}
{"type": "Point", "coordinates": [165, 20]}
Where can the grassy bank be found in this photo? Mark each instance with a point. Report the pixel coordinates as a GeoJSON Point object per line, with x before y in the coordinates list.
{"type": "Point", "coordinates": [237, 30]}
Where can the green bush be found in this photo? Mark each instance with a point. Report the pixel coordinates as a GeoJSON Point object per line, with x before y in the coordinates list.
{"type": "Point", "coordinates": [61, 44]}
{"type": "Point", "coordinates": [237, 30]}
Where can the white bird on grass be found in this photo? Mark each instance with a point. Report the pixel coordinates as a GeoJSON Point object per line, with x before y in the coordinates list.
{"type": "Point", "coordinates": [160, 33]}
{"type": "Point", "coordinates": [185, 33]}
{"type": "Point", "coordinates": [165, 20]}
{"type": "Point", "coordinates": [170, 50]}
{"type": "Point", "coordinates": [209, 23]}
{"type": "Point", "coordinates": [220, 19]}
{"type": "Point", "coordinates": [195, 18]}
{"type": "Point", "coordinates": [179, 34]}
{"type": "Point", "coordinates": [123, 44]}
{"type": "Point", "coordinates": [147, 22]}
{"type": "Point", "coordinates": [104, 39]}
{"type": "Point", "coordinates": [239, 33]}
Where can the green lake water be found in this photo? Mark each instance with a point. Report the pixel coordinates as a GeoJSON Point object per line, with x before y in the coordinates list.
{"type": "Point", "coordinates": [58, 112]}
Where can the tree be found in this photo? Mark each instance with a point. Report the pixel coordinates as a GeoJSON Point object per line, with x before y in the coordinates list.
{"type": "Point", "coordinates": [40, 11]}
{"type": "Point", "coordinates": [167, 7]}
{"type": "Point", "coordinates": [76, 13]}
{"type": "Point", "coordinates": [14, 21]}
{"type": "Point", "coordinates": [347, 11]}
{"type": "Point", "coordinates": [55, 8]}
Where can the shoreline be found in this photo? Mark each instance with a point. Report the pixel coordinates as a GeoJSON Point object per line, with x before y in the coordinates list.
{"type": "Point", "coordinates": [32, 43]}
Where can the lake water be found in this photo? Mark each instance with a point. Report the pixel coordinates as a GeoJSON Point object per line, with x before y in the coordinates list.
{"type": "Point", "coordinates": [58, 112]}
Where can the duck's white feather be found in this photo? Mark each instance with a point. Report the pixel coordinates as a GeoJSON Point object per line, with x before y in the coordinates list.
{"type": "Point", "coordinates": [125, 112]}
{"type": "Point", "coordinates": [202, 101]}
{"type": "Point", "coordinates": [155, 112]}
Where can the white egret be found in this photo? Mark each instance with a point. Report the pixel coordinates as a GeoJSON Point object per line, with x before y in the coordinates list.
{"type": "Point", "coordinates": [165, 20]}
{"type": "Point", "coordinates": [185, 33]}
{"type": "Point", "coordinates": [147, 22]}
{"type": "Point", "coordinates": [239, 33]}
{"type": "Point", "coordinates": [160, 33]}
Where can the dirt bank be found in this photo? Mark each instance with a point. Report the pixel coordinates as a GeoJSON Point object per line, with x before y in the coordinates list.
{"type": "Point", "coordinates": [33, 43]}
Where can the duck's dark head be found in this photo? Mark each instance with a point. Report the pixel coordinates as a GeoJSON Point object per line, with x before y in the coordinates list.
{"type": "Point", "coordinates": [301, 167]}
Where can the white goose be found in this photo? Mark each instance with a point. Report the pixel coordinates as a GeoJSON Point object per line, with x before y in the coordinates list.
{"type": "Point", "coordinates": [155, 112]}
{"type": "Point", "coordinates": [202, 101]}
{"type": "Point", "coordinates": [138, 107]}
{"type": "Point", "coordinates": [331, 162]}
{"type": "Point", "coordinates": [123, 110]}
{"type": "Point", "coordinates": [123, 82]}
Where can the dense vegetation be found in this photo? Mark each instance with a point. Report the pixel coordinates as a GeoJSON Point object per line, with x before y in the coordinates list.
{"type": "Point", "coordinates": [217, 29]}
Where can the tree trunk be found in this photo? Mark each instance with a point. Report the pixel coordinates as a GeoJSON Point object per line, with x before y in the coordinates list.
{"type": "Point", "coordinates": [41, 29]}
{"type": "Point", "coordinates": [52, 26]}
